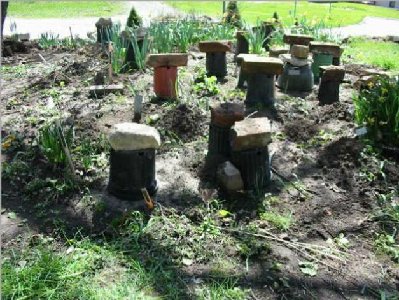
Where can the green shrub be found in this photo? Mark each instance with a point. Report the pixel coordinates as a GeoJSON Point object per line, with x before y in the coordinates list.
{"type": "Point", "coordinates": [232, 16]}
{"type": "Point", "coordinates": [134, 20]}
{"type": "Point", "coordinates": [377, 108]}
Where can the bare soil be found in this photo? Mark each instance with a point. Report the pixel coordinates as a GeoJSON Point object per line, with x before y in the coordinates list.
{"type": "Point", "coordinates": [315, 146]}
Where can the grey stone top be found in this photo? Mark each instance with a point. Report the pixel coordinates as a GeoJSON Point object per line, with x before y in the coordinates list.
{"type": "Point", "coordinates": [134, 136]}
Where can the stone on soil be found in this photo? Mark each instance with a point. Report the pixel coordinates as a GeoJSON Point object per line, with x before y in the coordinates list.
{"type": "Point", "coordinates": [167, 60]}
{"type": "Point", "coordinates": [262, 65]}
{"type": "Point", "coordinates": [251, 133]}
{"type": "Point", "coordinates": [299, 51]}
{"type": "Point", "coordinates": [229, 177]}
{"type": "Point", "coordinates": [215, 46]}
{"type": "Point", "coordinates": [134, 136]}
{"type": "Point", "coordinates": [227, 113]}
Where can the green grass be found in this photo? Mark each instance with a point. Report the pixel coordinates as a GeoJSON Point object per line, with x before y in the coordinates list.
{"type": "Point", "coordinates": [281, 222]}
{"type": "Point", "coordinates": [376, 53]}
{"type": "Point", "coordinates": [341, 13]}
{"type": "Point", "coordinates": [65, 9]}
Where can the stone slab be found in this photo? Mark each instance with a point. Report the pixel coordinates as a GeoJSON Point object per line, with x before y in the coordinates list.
{"type": "Point", "coordinates": [251, 133]}
{"type": "Point", "coordinates": [297, 39]}
{"type": "Point", "coordinates": [332, 73]}
{"type": "Point", "coordinates": [277, 51]}
{"type": "Point", "coordinates": [167, 60]}
{"type": "Point", "coordinates": [325, 48]}
{"type": "Point", "coordinates": [299, 51]}
{"type": "Point", "coordinates": [297, 62]}
{"type": "Point", "coordinates": [229, 177]}
{"type": "Point", "coordinates": [227, 113]}
{"type": "Point", "coordinates": [215, 46]}
{"type": "Point", "coordinates": [241, 57]}
{"type": "Point", "coordinates": [101, 90]}
{"type": "Point", "coordinates": [134, 136]}
{"type": "Point", "coordinates": [262, 65]}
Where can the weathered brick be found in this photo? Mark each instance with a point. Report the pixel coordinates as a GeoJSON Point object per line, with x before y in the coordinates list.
{"type": "Point", "coordinates": [226, 114]}
{"type": "Point", "coordinates": [332, 73]}
{"type": "Point", "coordinates": [277, 51]}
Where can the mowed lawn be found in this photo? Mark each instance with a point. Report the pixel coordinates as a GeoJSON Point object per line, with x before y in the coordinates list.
{"type": "Point", "coordinates": [65, 9]}
{"type": "Point", "coordinates": [341, 13]}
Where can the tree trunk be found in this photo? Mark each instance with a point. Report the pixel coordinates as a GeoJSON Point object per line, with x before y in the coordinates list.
{"type": "Point", "coordinates": [4, 6]}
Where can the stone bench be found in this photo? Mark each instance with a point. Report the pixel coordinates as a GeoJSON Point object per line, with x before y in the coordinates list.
{"type": "Point", "coordinates": [223, 116]}
{"type": "Point", "coordinates": [242, 77]}
{"type": "Point", "coordinates": [324, 54]}
{"type": "Point", "coordinates": [216, 63]}
{"type": "Point", "coordinates": [165, 72]}
{"type": "Point", "coordinates": [261, 72]}
{"type": "Point", "coordinates": [132, 160]}
{"type": "Point", "coordinates": [331, 78]}
{"type": "Point", "coordinates": [297, 39]}
{"type": "Point", "coordinates": [249, 141]}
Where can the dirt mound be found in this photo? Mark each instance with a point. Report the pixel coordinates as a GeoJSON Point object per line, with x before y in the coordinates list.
{"type": "Point", "coordinates": [187, 122]}
{"type": "Point", "coordinates": [340, 152]}
{"type": "Point", "coordinates": [336, 111]}
{"type": "Point", "coordinates": [77, 68]}
{"type": "Point", "coordinates": [300, 130]}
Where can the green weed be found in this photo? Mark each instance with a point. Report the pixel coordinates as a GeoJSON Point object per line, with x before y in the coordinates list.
{"type": "Point", "coordinates": [280, 221]}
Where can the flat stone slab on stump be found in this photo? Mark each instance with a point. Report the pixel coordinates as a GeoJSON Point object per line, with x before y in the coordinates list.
{"type": "Point", "coordinates": [101, 90]}
{"type": "Point", "coordinates": [167, 60]}
{"type": "Point", "coordinates": [242, 56]}
{"type": "Point", "coordinates": [297, 39]}
{"type": "Point", "coordinates": [262, 65]}
{"type": "Point", "coordinates": [215, 46]}
{"type": "Point", "coordinates": [333, 73]}
{"type": "Point", "coordinates": [277, 51]}
{"type": "Point", "coordinates": [226, 114]}
{"type": "Point", "coordinates": [251, 133]}
{"type": "Point", "coordinates": [325, 48]}
{"type": "Point", "coordinates": [297, 62]}
{"type": "Point", "coordinates": [134, 136]}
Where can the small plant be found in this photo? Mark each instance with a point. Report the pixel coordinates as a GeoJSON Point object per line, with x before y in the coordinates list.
{"type": "Point", "coordinates": [205, 85]}
{"type": "Point", "coordinates": [386, 244]}
{"type": "Point", "coordinates": [53, 141]}
{"type": "Point", "coordinates": [282, 222]}
{"type": "Point", "coordinates": [48, 40]}
{"type": "Point", "coordinates": [134, 20]}
{"type": "Point", "coordinates": [377, 108]}
{"type": "Point", "coordinates": [256, 38]}
{"type": "Point", "coordinates": [117, 49]}
{"type": "Point", "coordinates": [163, 37]}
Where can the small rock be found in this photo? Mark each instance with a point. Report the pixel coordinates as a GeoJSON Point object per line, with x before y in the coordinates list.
{"type": "Point", "coordinates": [300, 51]}
{"type": "Point", "coordinates": [133, 136]}
{"type": "Point", "coordinates": [229, 177]}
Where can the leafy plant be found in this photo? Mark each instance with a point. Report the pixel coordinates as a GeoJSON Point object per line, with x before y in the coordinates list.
{"type": "Point", "coordinates": [48, 40]}
{"type": "Point", "coordinates": [117, 50]}
{"type": "Point", "coordinates": [163, 37]}
{"type": "Point", "coordinates": [53, 140]}
{"type": "Point", "coordinates": [377, 108]}
{"type": "Point", "coordinates": [256, 38]}
{"type": "Point", "coordinates": [308, 268]}
{"type": "Point", "coordinates": [140, 49]}
{"type": "Point", "coordinates": [386, 244]}
{"type": "Point", "coordinates": [206, 85]}
{"type": "Point", "coordinates": [282, 222]}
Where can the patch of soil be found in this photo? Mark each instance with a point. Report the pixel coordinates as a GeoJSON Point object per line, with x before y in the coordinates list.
{"type": "Point", "coordinates": [187, 122]}
{"type": "Point", "coordinates": [300, 130]}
